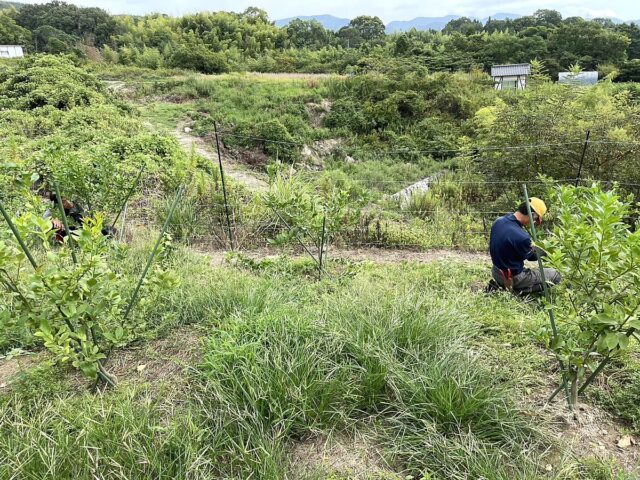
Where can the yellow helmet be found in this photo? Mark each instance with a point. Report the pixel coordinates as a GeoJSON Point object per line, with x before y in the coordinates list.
{"type": "Point", "coordinates": [538, 206]}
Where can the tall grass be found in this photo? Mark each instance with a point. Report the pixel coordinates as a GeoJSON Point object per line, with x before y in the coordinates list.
{"type": "Point", "coordinates": [129, 434]}
{"type": "Point", "coordinates": [392, 356]}
{"type": "Point", "coordinates": [388, 353]}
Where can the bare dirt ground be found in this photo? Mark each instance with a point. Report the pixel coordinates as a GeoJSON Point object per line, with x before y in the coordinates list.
{"type": "Point", "coordinates": [302, 76]}
{"type": "Point", "coordinates": [348, 457]}
{"type": "Point", "coordinates": [365, 254]}
{"type": "Point", "coordinates": [231, 167]}
{"type": "Point", "coordinates": [589, 432]}
{"type": "Point", "coordinates": [11, 367]}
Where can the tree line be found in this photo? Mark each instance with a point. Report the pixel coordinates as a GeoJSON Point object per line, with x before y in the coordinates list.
{"type": "Point", "coordinates": [213, 42]}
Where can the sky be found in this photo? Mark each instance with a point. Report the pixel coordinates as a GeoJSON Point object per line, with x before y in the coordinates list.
{"type": "Point", "coordinates": [385, 9]}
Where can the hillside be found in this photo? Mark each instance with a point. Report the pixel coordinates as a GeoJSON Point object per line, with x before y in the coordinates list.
{"type": "Point", "coordinates": [235, 251]}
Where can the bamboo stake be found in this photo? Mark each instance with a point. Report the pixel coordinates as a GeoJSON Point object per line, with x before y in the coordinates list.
{"type": "Point", "coordinates": [321, 252]}
{"type": "Point", "coordinates": [224, 187]}
{"type": "Point", "coordinates": [65, 222]}
{"type": "Point", "coordinates": [297, 237]}
{"type": "Point", "coordinates": [599, 368]}
{"type": "Point", "coordinates": [134, 297]}
{"type": "Point", "coordinates": [16, 234]}
{"type": "Point", "coordinates": [128, 196]}
{"type": "Point", "coordinates": [545, 289]}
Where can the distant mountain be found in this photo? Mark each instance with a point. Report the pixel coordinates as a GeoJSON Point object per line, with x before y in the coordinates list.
{"type": "Point", "coordinates": [420, 23]}
{"type": "Point", "coordinates": [15, 5]}
{"type": "Point", "coordinates": [328, 21]}
{"type": "Point", "coordinates": [438, 23]}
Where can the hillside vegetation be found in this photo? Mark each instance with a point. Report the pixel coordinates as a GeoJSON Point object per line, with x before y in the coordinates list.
{"type": "Point", "coordinates": [228, 331]}
{"type": "Point", "coordinates": [249, 41]}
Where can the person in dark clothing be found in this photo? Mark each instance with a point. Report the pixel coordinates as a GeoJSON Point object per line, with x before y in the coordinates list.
{"type": "Point", "coordinates": [510, 245]}
{"type": "Point", "coordinates": [75, 215]}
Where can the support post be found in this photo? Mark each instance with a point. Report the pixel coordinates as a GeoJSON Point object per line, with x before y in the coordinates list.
{"type": "Point", "coordinates": [124, 223]}
{"type": "Point", "coordinates": [547, 295]}
{"type": "Point", "coordinates": [321, 252]}
{"type": "Point", "coordinates": [224, 187]}
{"type": "Point", "coordinates": [128, 196]}
{"type": "Point", "coordinates": [297, 237]}
{"type": "Point", "coordinates": [584, 151]}
{"type": "Point", "coordinates": [65, 222]}
{"type": "Point", "coordinates": [16, 234]}
{"type": "Point", "coordinates": [134, 297]}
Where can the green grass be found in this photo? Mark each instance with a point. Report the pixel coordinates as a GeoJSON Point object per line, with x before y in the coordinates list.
{"type": "Point", "coordinates": [165, 115]}
{"type": "Point", "coordinates": [399, 354]}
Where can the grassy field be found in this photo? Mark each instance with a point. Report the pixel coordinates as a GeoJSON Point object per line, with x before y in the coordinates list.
{"type": "Point", "coordinates": [397, 371]}
{"type": "Point", "coordinates": [394, 364]}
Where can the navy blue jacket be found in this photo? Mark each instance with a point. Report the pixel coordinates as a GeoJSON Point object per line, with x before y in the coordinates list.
{"type": "Point", "coordinates": [510, 245]}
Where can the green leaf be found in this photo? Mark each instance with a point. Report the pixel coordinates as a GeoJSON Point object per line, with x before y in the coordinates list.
{"type": "Point", "coordinates": [45, 327]}
{"type": "Point", "coordinates": [611, 340]}
{"type": "Point", "coordinates": [119, 333]}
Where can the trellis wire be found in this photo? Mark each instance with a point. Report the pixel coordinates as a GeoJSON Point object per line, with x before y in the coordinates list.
{"type": "Point", "coordinates": [441, 150]}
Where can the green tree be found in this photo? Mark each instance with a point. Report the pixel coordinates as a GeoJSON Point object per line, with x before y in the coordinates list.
{"type": "Point", "coordinates": [547, 18]}
{"type": "Point", "coordinates": [369, 28]}
{"type": "Point", "coordinates": [92, 25]}
{"type": "Point", "coordinates": [629, 71]}
{"type": "Point", "coordinates": [11, 33]}
{"type": "Point", "coordinates": [596, 252]}
{"type": "Point", "coordinates": [555, 119]}
{"type": "Point", "coordinates": [588, 43]}
{"type": "Point", "coordinates": [632, 32]}
{"type": "Point", "coordinates": [307, 34]}
{"type": "Point", "coordinates": [198, 57]}
{"type": "Point", "coordinates": [464, 25]}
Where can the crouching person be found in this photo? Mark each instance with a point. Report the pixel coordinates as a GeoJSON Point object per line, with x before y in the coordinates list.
{"type": "Point", "coordinates": [510, 245]}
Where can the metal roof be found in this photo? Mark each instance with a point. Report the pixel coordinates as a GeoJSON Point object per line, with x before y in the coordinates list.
{"type": "Point", "coordinates": [510, 70]}
{"type": "Point", "coordinates": [582, 78]}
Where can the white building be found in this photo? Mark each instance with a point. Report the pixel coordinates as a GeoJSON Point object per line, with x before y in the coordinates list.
{"type": "Point", "coordinates": [578, 79]}
{"type": "Point", "coordinates": [11, 51]}
{"type": "Point", "coordinates": [510, 77]}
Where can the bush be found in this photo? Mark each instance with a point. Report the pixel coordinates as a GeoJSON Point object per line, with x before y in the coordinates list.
{"type": "Point", "coordinates": [47, 80]}
{"type": "Point", "coordinates": [198, 57]}
{"type": "Point", "coordinates": [273, 137]}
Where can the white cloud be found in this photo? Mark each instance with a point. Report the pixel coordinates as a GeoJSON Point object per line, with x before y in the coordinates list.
{"type": "Point", "coordinates": [605, 12]}
{"type": "Point", "coordinates": [385, 9]}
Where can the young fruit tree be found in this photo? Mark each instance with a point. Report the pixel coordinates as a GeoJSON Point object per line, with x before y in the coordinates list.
{"type": "Point", "coordinates": [72, 294]}
{"type": "Point", "coordinates": [305, 212]}
{"type": "Point", "coordinates": [598, 254]}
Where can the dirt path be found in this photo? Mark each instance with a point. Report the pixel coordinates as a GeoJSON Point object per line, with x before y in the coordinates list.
{"type": "Point", "coordinates": [375, 255]}
{"type": "Point", "coordinates": [231, 168]}
{"type": "Point", "coordinates": [287, 76]}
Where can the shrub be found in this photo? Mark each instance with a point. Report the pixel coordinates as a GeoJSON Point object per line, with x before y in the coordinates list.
{"type": "Point", "coordinates": [198, 57]}
{"type": "Point", "coordinates": [47, 80]}
{"type": "Point", "coordinates": [596, 253]}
